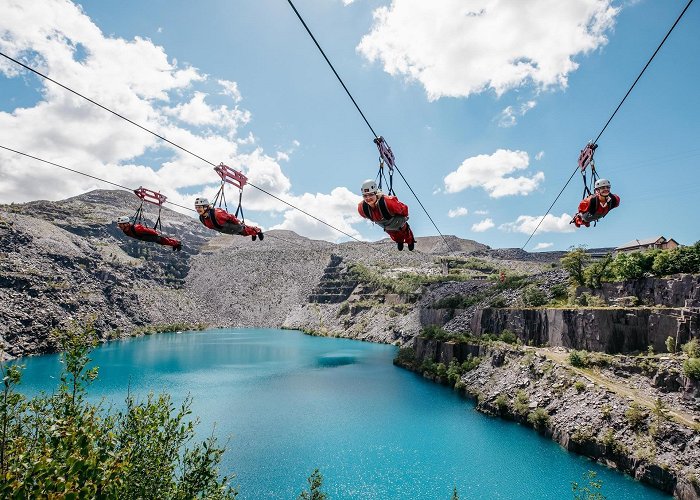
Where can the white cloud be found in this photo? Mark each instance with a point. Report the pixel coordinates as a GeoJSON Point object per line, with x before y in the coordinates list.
{"type": "Point", "coordinates": [489, 172]}
{"type": "Point", "coordinates": [526, 224]}
{"type": "Point", "coordinates": [230, 88]}
{"type": "Point", "coordinates": [481, 212]}
{"type": "Point", "coordinates": [197, 112]}
{"type": "Point", "coordinates": [338, 208]}
{"type": "Point", "coordinates": [482, 226]}
{"type": "Point", "coordinates": [509, 116]}
{"type": "Point", "coordinates": [455, 49]}
{"type": "Point", "coordinates": [539, 156]}
{"type": "Point", "coordinates": [458, 212]}
{"type": "Point", "coordinates": [542, 246]}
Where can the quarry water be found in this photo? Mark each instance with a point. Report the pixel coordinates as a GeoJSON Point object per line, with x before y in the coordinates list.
{"type": "Point", "coordinates": [288, 403]}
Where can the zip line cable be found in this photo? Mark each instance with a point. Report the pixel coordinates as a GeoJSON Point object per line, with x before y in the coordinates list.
{"type": "Point", "coordinates": [363, 116]}
{"type": "Point", "coordinates": [611, 117]}
{"type": "Point", "coordinates": [117, 185]}
{"type": "Point", "coordinates": [643, 70]}
{"type": "Point", "coordinates": [177, 146]}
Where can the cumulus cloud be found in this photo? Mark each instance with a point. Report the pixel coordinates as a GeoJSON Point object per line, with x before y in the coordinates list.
{"type": "Point", "coordinates": [542, 246]}
{"type": "Point", "coordinates": [482, 226]}
{"type": "Point", "coordinates": [509, 116]}
{"type": "Point", "coordinates": [197, 112]}
{"type": "Point", "coordinates": [455, 49]}
{"type": "Point", "coordinates": [551, 224]}
{"type": "Point", "coordinates": [539, 156]}
{"type": "Point", "coordinates": [338, 208]}
{"type": "Point", "coordinates": [230, 89]}
{"type": "Point", "coordinates": [458, 212]}
{"type": "Point", "coordinates": [490, 172]}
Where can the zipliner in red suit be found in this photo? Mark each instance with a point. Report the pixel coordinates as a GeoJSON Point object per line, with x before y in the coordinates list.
{"type": "Point", "coordinates": [143, 233]}
{"type": "Point", "coordinates": [596, 206]}
{"type": "Point", "coordinates": [387, 212]}
{"type": "Point", "coordinates": [220, 220]}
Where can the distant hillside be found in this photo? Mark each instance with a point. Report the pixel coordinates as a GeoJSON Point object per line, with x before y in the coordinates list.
{"type": "Point", "coordinates": [67, 260]}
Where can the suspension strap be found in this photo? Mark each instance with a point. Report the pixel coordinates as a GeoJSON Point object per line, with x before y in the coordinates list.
{"type": "Point", "coordinates": [151, 197]}
{"type": "Point", "coordinates": [220, 197]}
{"type": "Point", "coordinates": [584, 160]}
{"type": "Point", "coordinates": [138, 216]}
{"type": "Point", "coordinates": [386, 156]}
{"type": "Point", "coordinates": [230, 176]}
{"type": "Point", "coordinates": [240, 207]}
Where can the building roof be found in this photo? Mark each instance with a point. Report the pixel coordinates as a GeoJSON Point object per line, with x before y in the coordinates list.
{"type": "Point", "coordinates": [641, 243]}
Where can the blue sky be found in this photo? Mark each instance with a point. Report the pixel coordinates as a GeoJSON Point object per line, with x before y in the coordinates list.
{"type": "Point", "coordinates": [485, 104]}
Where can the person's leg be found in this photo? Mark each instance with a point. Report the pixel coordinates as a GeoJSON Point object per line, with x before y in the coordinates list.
{"type": "Point", "coordinates": [171, 242]}
{"type": "Point", "coordinates": [398, 237]}
{"type": "Point", "coordinates": [251, 231]}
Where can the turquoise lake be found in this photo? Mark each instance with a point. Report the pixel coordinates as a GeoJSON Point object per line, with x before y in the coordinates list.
{"type": "Point", "coordinates": [289, 403]}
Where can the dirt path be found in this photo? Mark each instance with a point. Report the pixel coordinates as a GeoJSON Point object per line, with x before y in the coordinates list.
{"type": "Point", "coordinates": [562, 358]}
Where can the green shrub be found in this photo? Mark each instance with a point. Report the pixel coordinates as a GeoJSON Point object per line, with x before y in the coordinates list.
{"type": "Point", "coordinates": [589, 300]}
{"type": "Point", "coordinates": [533, 296]}
{"type": "Point", "coordinates": [428, 366]}
{"type": "Point", "coordinates": [579, 359]}
{"type": "Point", "coordinates": [691, 368]}
{"type": "Point", "coordinates": [406, 355]}
{"type": "Point", "coordinates": [451, 302]}
{"type": "Point", "coordinates": [498, 302]}
{"type": "Point", "coordinates": [635, 415]}
{"type": "Point", "coordinates": [434, 332]}
{"type": "Point", "coordinates": [539, 418]}
{"type": "Point", "coordinates": [454, 371]}
{"type": "Point", "coordinates": [559, 291]}
{"type": "Point", "coordinates": [692, 348]}
{"type": "Point", "coordinates": [470, 363]}
{"type": "Point", "coordinates": [521, 404]}
{"type": "Point", "coordinates": [441, 370]}
{"type": "Point", "coordinates": [579, 386]}
{"type": "Point", "coordinates": [501, 403]}
{"type": "Point", "coordinates": [670, 344]}
{"type": "Point", "coordinates": [508, 337]}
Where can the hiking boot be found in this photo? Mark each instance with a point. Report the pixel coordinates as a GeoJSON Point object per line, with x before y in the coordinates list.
{"type": "Point", "coordinates": [399, 245]}
{"type": "Point", "coordinates": [177, 247]}
{"type": "Point", "coordinates": [411, 246]}
{"type": "Point", "coordinates": [261, 236]}
{"type": "Point", "coordinates": [254, 237]}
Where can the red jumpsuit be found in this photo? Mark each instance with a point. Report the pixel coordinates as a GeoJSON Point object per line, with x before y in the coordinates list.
{"type": "Point", "coordinates": [143, 233]}
{"type": "Point", "coordinates": [395, 224]}
{"type": "Point", "coordinates": [220, 220]}
{"type": "Point", "coordinates": [592, 209]}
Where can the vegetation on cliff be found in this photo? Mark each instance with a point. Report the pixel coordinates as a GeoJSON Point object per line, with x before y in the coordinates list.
{"type": "Point", "coordinates": [624, 266]}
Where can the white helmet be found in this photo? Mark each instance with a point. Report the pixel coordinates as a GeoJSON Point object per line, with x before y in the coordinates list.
{"type": "Point", "coordinates": [369, 186]}
{"type": "Point", "coordinates": [601, 183]}
{"type": "Point", "coordinates": [124, 219]}
{"type": "Point", "coordinates": [201, 202]}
